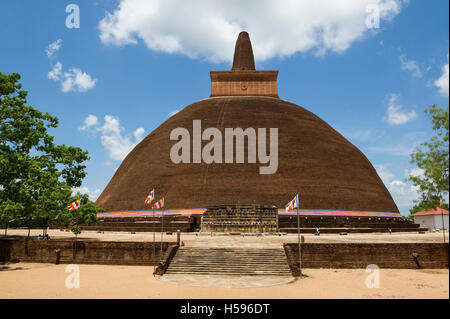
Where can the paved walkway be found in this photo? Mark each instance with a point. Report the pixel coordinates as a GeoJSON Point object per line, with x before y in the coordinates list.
{"type": "Point", "coordinates": [216, 281]}
{"type": "Point", "coordinates": [269, 241]}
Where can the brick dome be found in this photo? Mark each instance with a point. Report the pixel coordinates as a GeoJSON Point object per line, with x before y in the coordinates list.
{"type": "Point", "coordinates": [314, 160]}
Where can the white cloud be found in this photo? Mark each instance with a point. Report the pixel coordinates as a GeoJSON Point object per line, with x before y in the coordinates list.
{"type": "Point", "coordinates": [73, 80]}
{"type": "Point", "coordinates": [384, 173]}
{"type": "Point", "coordinates": [403, 193]}
{"type": "Point", "coordinates": [108, 163]}
{"type": "Point", "coordinates": [93, 195]}
{"type": "Point", "coordinates": [89, 122]}
{"type": "Point", "coordinates": [53, 48]}
{"type": "Point", "coordinates": [364, 135]}
{"type": "Point", "coordinates": [55, 73]}
{"type": "Point", "coordinates": [209, 28]}
{"type": "Point", "coordinates": [403, 146]}
{"type": "Point", "coordinates": [77, 80]}
{"type": "Point", "coordinates": [394, 149]}
{"type": "Point", "coordinates": [395, 113]}
{"type": "Point", "coordinates": [410, 65]}
{"type": "Point", "coordinates": [118, 145]}
{"type": "Point", "coordinates": [416, 172]}
{"type": "Point", "coordinates": [442, 82]}
{"type": "Point", "coordinates": [173, 112]}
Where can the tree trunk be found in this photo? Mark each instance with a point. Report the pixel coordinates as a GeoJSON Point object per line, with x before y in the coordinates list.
{"type": "Point", "coordinates": [6, 229]}
{"type": "Point", "coordinates": [46, 226]}
{"type": "Point", "coordinates": [75, 255]}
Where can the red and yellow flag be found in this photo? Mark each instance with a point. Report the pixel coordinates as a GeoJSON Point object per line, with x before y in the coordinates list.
{"type": "Point", "coordinates": [159, 204]}
{"type": "Point", "coordinates": [74, 205]}
{"type": "Point", "coordinates": [150, 197]}
{"type": "Point", "coordinates": [292, 204]}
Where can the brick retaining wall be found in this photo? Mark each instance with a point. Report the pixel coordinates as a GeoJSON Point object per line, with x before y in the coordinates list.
{"type": "Point", "coordinates": [82, 252]}
{"type": "Point", "coordinates": [360, 255]}
{"type": "Point", "coordinates": [348, 255]}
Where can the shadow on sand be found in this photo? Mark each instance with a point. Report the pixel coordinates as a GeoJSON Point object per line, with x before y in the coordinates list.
{"type": "Point", "coordinates": [52, 238]}
{"type": "Point", "coordinates": [6, 266]}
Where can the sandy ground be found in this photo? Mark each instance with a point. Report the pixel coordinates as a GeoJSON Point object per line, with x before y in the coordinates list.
{"type": "Point", "coordinates": [34, 280]}
{"type": "Point", "coordinates": [31, 280]}
{"type": "Point", "coordinates": [206, 240]}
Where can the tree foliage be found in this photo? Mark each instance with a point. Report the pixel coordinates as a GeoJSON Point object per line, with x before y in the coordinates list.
{"type": "Point", "coordinates": [432, 158]}
{"type": "Point", "coordinates": [424, 206]}
{"type": "Point", "coordinates": [36, 175]}
{"type": "Point", "coordinates": [9, 212]}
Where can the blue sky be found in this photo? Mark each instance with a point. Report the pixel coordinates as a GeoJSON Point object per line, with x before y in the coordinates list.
{"type": "Point", "coordinates": [131, 63]}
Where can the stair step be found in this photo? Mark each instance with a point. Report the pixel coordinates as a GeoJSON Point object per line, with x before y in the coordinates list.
{"type": "Point", "coordinates": [220, 272]}
{"type": "Point", "coordinates": [230, 261]}
{"type": "Point", "coordinates": [182, 264]}
{"type": "Point", "coordinates": [243, 270]}
{"type": "Point", "coordinates": [240, 273]}
{"type": "Point", "coordinates": [225, 260]}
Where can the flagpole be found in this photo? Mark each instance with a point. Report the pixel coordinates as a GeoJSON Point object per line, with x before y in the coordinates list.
{"type": "Point", "coordinates": [154, 235]}
{"type": "Point", "coordinates": [442, 215]}
{"type": "Point", "coordinates": [162, 230]}
{"type": "Point", "coordinates": [299, 244]}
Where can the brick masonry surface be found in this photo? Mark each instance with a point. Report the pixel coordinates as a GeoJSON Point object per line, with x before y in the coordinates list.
{"type": "Point", "coordinates": [360, 255]}
{"type": "Point", "coordinates": [82, 252]}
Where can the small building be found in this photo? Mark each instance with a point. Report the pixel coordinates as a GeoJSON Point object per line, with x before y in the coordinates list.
{"type": "Point", "coordinates": [432, 219]}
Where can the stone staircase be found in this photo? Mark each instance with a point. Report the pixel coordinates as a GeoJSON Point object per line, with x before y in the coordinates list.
{"type": "Point", "coordinates": [230, 261]}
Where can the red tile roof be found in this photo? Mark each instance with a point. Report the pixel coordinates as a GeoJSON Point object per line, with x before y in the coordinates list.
{"type": "Point", "coordinates": [437, 211]}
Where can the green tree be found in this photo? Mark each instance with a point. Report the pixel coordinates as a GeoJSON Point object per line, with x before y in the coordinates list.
{"type": "Point", "coordinates": [36, 175]}
{"type": "Point", "coordinates": [424, 206]}
{"type": "Point", "coordinates": [432, 158]}
{"type": "Point", "coordinates": [9, 212]}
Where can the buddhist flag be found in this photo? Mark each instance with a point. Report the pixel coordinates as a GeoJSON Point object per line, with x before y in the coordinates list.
{"type": "Point", "coordinates": [74, 205]}
{"type": "Point", "coordinates": [440, 201]}
{"type": "Point", "coordinates": [150, 197]}
{"type": "Point", "coordinates": [292, 204]}
{"type": "Point", "coordinates": [159, 204]}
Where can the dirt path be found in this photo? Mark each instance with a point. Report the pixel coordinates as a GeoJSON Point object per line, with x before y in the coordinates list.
{"type": "Point", "coordinates": [206, 240]}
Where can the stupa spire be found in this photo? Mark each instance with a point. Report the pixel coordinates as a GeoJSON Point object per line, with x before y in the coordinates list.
{"type": "Point", "coordinates": [243, 54]}
{"type": "Point", "coordinates": [243, 79]}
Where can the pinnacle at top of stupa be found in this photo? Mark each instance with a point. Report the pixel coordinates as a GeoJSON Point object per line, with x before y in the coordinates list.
{"type": "Point", "coordinates": [243, 54]}
{"type": "Point", "coordinates": [243, 79]}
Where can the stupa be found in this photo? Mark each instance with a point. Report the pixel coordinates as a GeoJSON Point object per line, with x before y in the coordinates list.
{"type": "Point", "coordinates": [331, 175]}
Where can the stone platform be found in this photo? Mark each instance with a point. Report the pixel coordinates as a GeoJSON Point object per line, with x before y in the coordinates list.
{"type": "Point", "coordinates": [248, 219]}
{"type": "Point", "coordinates": [170, 223]}
{"type": "Point", "coordinates": [348, 224]}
